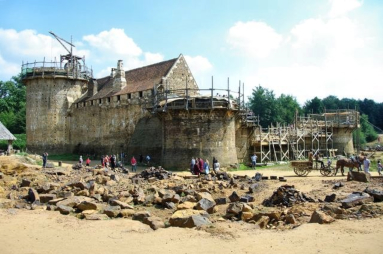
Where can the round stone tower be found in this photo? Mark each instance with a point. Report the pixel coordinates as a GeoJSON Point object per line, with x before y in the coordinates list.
{"type": "Point", "coordinates": [50, 93]}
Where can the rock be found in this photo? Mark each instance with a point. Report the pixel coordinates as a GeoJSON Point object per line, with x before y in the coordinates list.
{"type": "Point", "coordinates": [154, 222]}
{"type": "Point", "coordinates": [337, 185]}
{"type": "Point", "coordinates": [273, 177]}
{"type": "Point", "coordinates": [234, 197]}
{"type": "Point", "coordinates": [247, 199]}
{"type": "Point", "coordinates": [127, 212]}
{"type": "Point", "coordinates": [321, 218]}
{"type": "Point", "coordinates": [112, 211]}
{"type": "Point", "coordinates": [78, 184]}
{"type": "Point", "coordinates": [189, 218]}
{"type": "Point", "coordinates": [356, 198]}
{"type": "Point", "coordinates": [220, 201]}
{"type": "Point", "coordinates": [73, 201]}
{"type": "Point", "coordinates": [204, 195]}
{"type": "Point", "coordinates": [263, 221]}
{"type": "Point", "coordinates": [141, 215]}
{"type": "Point", "coordinates": [87, 205]}
{"type": "Point", "coordinates": [270, 212]}
{"type": "Point", "coordinates": [290, 219]}
{"type": "Point", "coordinates": [33, 196]}
{"type": "Point", "coordinates": [84, 193]}
{"type": "Point", "coordinates": [246, 208]}
{"type": "Point", "coordinates": [334, 209]}
{"type": "Point", "coordinates": [206, 205]}
{"type": "Point", "coordinates": [358, 176]}
{"type": "Point", "coordinates": [115, 177]}
{"type": "Point", "coordinates": [45, 198]}
{"type": "Point", "coordinates": [377, 194]}
{"type": "Point", "coordinates": [96, 216]}
{"type": "Point", "coordinates": [170, 205]}
{"type": "Point", "coordinates": [253, 187]}
{"type": "Point", "coordinates": [330, 198]}
{"type": "Point", "coordinates": [55, 201]}
{"type": "Point", "coordinates": [25, 183]}
{"type": "Point", "coordinates": [1, 175]}
{"type": "Point", "coordinates": [258, 177]}
{"type": "Point", "coordinates": [122, 205]}
{"type": "Point", "coordinates": [246, 216]}
{"type": "Point", "coordinates": [186, 205]}
{"type": "Point", "coordinates": [63, 209]}
{"type": "Point", "coordinates": [6, 203]}
{"type": "Point", "coordinates": [234, 208]}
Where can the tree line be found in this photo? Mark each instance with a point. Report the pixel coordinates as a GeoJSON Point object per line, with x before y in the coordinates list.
{"type": "Point", "coordinates": [272, 110]}
{"type": "Point", "coordinates": [263, 102]}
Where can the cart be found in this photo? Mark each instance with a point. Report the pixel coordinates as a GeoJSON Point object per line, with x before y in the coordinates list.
{"type": "Point", "coordinates": [303, 168]}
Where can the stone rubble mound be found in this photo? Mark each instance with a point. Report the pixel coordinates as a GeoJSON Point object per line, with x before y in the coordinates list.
{"type": "Point", "coordinates": [151, 172]}
{"type": "Point", "coordinates": [288, 196]}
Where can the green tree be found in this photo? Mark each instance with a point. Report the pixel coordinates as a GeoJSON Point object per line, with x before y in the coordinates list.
{"type": "Point", "coordinates": [12, 105]}
{"type": "Point", "coordinates": [367, 129]}
{"type": "Point", "coordinates": [263, 103]}
{"type": "Point", "coordinates": [314, 106]}
{"type": "Point", "coordinates": [287, 106]}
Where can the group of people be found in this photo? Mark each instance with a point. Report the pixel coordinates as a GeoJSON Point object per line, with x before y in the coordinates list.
{"type": "Point", "coordinates": [109, 161]}
{"type": "Point", "coordinates": [199, 166]}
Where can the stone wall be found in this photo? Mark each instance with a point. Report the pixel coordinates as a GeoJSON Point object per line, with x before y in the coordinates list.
{"type": "Point", "coordinates": [343, 141]}
{"type": "Point", "coordinates": [46, 112]}
{"type": "Point", "coordinates": [242, 142]}
{"type": "Point", "coordinates": [198, 133]}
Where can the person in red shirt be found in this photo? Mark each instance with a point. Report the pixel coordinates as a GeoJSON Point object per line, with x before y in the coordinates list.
{"type": "Point", "coordinates": [87, 162]}
{"type": "Point", "coordinates": [134, 164]}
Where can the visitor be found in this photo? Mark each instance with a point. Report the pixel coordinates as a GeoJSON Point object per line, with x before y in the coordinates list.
{"type": "Point", "coordinates": [113, 161]}
{"type": "Point", "coordinates": [200, 164]}
{"type": "Point", "coordinates": [206, 167]}
{"type": "Point", "coordinates": [80, 160]}
{"type": "Point", "coordinates": [133, 162]}
{"type": "Point", "coordinates": [192, 165]}
{"type": "Point", "coordinates": [216, 167]}
{"type": "Point", "coordinates": [196, 168]}
{"type": "Point", "coordinates": [366, 165]}
{"type": "Point", "coordinates": [318, 159]}
{"type": "Point", "coordinates": [102, 160]}
{"type": "Point", "coordinates": [254, 161]}
{"type": "Point", "coordinates": [45, 158]}
{"type": "Point", "coordinates": [141, 159]}
{"type": "Point", "coordinates": [147, 160]}
{"type": "Point", "coordinates": [380, 167]}
{"type": "Point", "coordinates": [87, 162]}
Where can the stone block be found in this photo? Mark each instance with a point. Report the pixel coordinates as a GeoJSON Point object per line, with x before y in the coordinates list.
{"type": "Point", "coordinates": [356, 198]}
{"type": "Point", "coordinates": [358, 176]}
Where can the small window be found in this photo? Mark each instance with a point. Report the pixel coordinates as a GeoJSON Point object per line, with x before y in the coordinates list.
{"type": "Point", "coordinates": [118, 97]}
{"type": "Point", "coordinates": [108, 99]}
{"type": "Point", "coordinates": [83, 104]}
{"type": "Point", "coordinates": [76, 105]}
{"type": "Point", "coordinates": [140, 94]}
{"type": "Point", "coordinates": [99, 101]}
{"type": "Point", "coordinates": [91, 103]}
{"type": "Point", "coordinates": [129, 96]}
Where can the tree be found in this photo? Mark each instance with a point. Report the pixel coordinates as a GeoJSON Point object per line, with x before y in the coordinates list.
{"type": "Point", "coordinates": [263, 103]}
{"type": "Point", "coordinates": [287, 106]}
{"type": "Point", "coordinates": [12, 105]}
{"type": "Point", "coordinates": [314, 106]}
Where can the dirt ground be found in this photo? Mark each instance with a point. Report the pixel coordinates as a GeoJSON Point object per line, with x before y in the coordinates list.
{"type": "Point", "coordinates": [41, 231]}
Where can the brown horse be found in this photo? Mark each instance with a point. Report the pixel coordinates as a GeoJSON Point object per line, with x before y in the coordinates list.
{"type": "Point", "coordinates": [341, 163]}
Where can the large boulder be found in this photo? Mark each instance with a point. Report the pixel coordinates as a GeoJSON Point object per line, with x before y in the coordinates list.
{"type": "Point", "coordinates": [112, 211]}
{"type": "Point", "coordinates": [87, 205]}
{"type": "Point", "coordinates": [206, 205]}
{"type": "Point", "coordinates": [356, 198]}
{"type": "Point", "coordinates": [358, 176]}
{"type": "Point", "coordinates": [321, 218]}
{"type": "Point", "coordinates": [189, 218]}
{"type": "Point", "coordinates": [154, 222]}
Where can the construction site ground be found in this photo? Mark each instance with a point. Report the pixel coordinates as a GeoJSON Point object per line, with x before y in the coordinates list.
{"type": "Point", "coordinates": [41, 231]}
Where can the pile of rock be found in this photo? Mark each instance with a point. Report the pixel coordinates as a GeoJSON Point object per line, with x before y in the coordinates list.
{"type": "Point", "coordinates": [286, 195]}
{"type": "Point", "coordinates": [152, 172]}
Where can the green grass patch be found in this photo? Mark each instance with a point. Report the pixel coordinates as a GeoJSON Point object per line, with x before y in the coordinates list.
{"type": "Point", "coordinates": [63, 157]}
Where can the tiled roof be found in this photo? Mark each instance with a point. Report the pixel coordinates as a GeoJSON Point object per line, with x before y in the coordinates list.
{"type": "Point", "coordinates": [5, 134]}
{"type": "Point", "coordinates": [140, 79]}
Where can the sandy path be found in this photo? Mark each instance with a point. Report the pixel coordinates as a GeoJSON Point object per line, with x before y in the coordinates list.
{"type": "Point", "coordinates": [34, 232]}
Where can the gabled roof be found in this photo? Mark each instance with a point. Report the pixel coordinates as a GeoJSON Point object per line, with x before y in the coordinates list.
{"type": "Point", "coordinates": [5, 134]}
{"type": "Point", "coordinates": [140, 79]}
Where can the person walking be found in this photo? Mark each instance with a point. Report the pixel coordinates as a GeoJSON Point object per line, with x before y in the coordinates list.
{"type": "Point", "coordinates": [80, 160]}
{"type": "Point", "coordinates": [148, 159]}
{"type": "Point", "coordinates": [45, 158]}
{"type": "Point", "coordinates": [133, 162]}
{"type": "Point", "coordinates": [206, 167]}
{"type": "Point", "coordinates": [380, 167]}
{"type": "Point", "coordinates": [192, 165]}
{"type": "Point", "coordinates": [254, 161]}
{"type": "Point", "coordinates": [366, 165]}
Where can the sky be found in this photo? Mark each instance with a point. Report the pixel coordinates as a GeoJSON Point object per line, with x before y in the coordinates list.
{"type": "Point", "coordinates": [301, 48]}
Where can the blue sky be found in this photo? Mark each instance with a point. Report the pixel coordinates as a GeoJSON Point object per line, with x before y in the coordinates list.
{"type": "Point", "coordinates": [293, 47]}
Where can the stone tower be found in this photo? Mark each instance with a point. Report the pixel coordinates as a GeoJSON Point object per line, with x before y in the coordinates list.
{"type": "Point", "coordinates": [50, 93]}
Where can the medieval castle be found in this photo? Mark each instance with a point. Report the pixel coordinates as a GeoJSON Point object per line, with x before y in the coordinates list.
{"type": "Point", "coordinates": [159, 110]}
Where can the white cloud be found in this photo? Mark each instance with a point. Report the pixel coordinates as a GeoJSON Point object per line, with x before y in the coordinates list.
{"type": "Point", "coordinates": [8, 69]}
{"type": "Point", "coordinates": [342, 7]}
{"type": "Point", "coordinates": [113, 43]}
{"type": "Point", "coordinates": [253, 38]}
{"type": "Point", "coordinates": [330, 55]}
{"type": "Point", "coordinates": [151, 58]}
{"type": "Point", "coordinates": [198, 64]}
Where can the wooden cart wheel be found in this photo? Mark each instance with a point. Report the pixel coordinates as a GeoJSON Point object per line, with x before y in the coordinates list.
{"type": "Point", "coordinates": [307, 171]}
{"type": "Point", "coordinates": [300, 171]}
{"type": "Point", "coordinates": [328, 171]}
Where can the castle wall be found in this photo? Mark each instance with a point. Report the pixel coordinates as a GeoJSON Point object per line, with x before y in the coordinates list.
{"type": "Point", "coordinates": [343, 141]}
{"type": "Point", "coordinates": [242, 139]}
{"type": "Point", "coordinates": [114, 126]}
{"type": "Point", "coordinates": [203, 134]}
{"type": "Point", "coordinates": [47, 102]}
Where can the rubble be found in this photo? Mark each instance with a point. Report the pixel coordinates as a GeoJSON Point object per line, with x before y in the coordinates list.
{"type": "Point", "coordinates": [286, 195]}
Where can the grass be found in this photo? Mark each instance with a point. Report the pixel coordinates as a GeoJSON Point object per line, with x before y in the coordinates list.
{"type": "Point", "coordinates": [63, 157]}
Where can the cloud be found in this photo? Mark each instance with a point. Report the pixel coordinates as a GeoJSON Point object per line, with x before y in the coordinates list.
{"type": "Point", "coordinates": [8, 69]}
{"type": "Point", "coordinates": [198, 64]}
{"type": "Point", "coordinates": [151, 58]}
{"type": "Point", "coordinates": [256, 39]}
{"type": "Point", "coordinates": [342, 7]}
{"type": "Point", "coordinates": [113, 44]}
{"type": "Point", "coordinates": [330, 55]}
